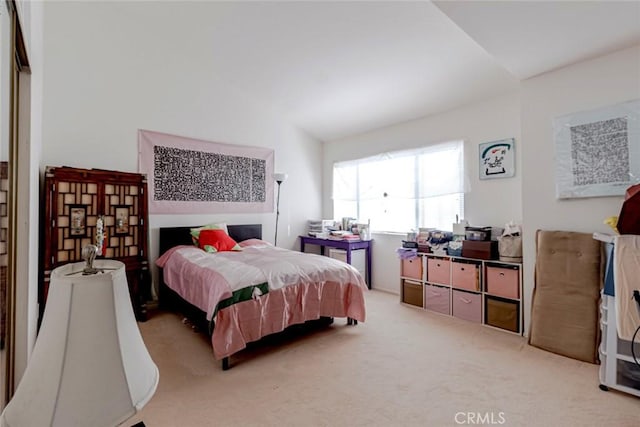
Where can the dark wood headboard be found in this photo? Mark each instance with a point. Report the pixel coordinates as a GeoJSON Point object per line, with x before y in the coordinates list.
{"type": "Point", "coordinates": [174, 236]}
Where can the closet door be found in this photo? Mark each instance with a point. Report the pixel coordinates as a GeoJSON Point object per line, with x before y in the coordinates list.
{"type": "Point", "coordinates": [15, 235]}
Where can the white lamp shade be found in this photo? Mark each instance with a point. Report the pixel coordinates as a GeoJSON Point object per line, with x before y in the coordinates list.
{"type": "Point", "coordinates": [89, 366]}
{"type": "Point", "coordinates": [280, 177]}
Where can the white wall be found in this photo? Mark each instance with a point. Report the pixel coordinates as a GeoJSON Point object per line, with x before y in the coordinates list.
{"type": "Point", "coordinates": [35, 46]}
{"type": "Point", "coordinates": [488, 203]}
{"type": "Point", "coordinates": [111, 69]}
{"type": "Point", "coordinates": [588, 85]}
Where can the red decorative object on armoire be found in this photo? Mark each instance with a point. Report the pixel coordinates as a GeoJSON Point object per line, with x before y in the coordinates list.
{"type": "Point", "coordinates": [96, 207]}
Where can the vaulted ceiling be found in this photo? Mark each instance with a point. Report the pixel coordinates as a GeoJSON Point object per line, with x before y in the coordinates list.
{"type": "Point", "coordinates": [338, 68]}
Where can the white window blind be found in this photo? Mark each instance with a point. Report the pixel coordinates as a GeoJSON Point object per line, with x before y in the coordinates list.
{"type": "Point", "coordinates": [403, 190]}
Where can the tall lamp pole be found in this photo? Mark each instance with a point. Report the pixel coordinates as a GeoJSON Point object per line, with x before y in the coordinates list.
{"type": "Point", "coordinates": [279, 177]}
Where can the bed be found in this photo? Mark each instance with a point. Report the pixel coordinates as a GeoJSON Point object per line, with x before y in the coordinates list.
{"type": "Point", "coordinates": [240, 296]}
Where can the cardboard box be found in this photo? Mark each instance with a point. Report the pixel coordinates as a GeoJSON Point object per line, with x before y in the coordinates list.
{"type": "Point", "coordinates": [480, 249]}
{"type": "Point", "coordinates": [412, 293]}
{"type": "Point", "coordinates": [502, 314]}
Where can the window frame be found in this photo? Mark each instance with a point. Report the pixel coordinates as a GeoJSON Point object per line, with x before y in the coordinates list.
{"type": "Point", "coordinates": [456, 188]}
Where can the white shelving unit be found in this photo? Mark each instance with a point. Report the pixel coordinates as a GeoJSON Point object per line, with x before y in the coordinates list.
{"type": "Point", "coordinates": [618, 370]}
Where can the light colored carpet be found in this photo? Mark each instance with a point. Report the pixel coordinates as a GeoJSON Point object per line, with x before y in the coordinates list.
{"type": "Point", "coordinates": [402, 367]}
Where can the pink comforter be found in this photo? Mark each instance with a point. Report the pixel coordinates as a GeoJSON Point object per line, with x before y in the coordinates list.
{"type": "Point", "coordinates": [302, 287]}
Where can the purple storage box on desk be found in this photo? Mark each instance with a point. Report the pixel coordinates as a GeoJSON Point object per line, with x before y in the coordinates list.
{"type": "Point", "coordinates": [480, 249]}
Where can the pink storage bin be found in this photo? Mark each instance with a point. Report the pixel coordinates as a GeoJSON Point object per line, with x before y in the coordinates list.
{"type": "Point", "coordinates": [436, 298]}
{"type": "Point", "coordinates": [467, 306]}
{"type": "Point", "coordinates": [438, 271]}
{"type": "Point", "coordinates": [504, 282]}
{"type": "Point", "coordinates": [465, 276]}
{"type": "Point", "coordinates": [412, 268]}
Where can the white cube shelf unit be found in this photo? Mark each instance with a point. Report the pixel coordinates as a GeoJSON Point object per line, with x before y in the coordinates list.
{"type": "Point", "coordinates": [476, 290]}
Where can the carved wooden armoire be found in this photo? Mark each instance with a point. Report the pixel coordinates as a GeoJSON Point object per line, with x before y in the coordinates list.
{"type": "Point", "coordinates": [76, 201]}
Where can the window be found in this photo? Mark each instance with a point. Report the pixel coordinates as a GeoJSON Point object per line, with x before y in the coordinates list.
{"type": "Point", "coordinates": [402, 190]}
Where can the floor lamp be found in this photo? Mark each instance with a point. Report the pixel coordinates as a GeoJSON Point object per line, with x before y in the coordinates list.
{"type": "Point", "coordinates": [280, 178]}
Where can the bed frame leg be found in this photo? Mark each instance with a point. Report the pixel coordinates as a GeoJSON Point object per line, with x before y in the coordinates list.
{"type": "Point", "coordinates": [225, 363]}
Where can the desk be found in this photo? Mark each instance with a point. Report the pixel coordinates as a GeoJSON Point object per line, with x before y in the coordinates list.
{"type": "Point", "coordinates": [347, 245]}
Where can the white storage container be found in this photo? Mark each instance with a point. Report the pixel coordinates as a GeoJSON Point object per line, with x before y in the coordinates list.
{"type": "Point", "coordinates": [358, 259]}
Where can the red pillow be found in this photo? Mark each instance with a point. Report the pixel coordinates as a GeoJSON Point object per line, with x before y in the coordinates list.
{"type": "Point", "coordinates": [217, 241]}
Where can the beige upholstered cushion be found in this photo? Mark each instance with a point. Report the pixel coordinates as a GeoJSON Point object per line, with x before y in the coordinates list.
{"type": "Point", "coordinates": [568, 278]}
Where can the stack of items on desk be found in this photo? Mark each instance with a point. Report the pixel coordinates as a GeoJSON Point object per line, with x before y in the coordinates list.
{"type": "Point", "coordinates": [423, 239]}
{"type": "Point", "coordinates": [433, 241]}
{"type": "Point", "coordinates": [455, 245]}
{"type": "Point", "coordinates": [439, 241]}
{"type": "Point", "coordinates": [343, 235]}
{"type": "Point", "coordinates": [321, 228]}
{"type": "Point", "coordinates": [409, 247]}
